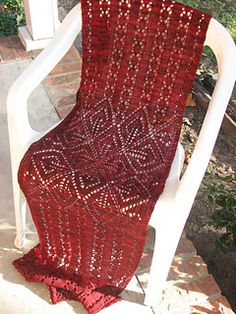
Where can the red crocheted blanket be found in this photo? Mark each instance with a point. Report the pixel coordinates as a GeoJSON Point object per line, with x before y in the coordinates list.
{"type": "Point", "coordinates": [92, 182]}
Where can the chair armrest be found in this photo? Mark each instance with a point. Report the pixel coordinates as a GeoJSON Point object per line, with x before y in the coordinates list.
{"type": "Point", "coordinates": [180, 204]}
{"type": "Point", "coordinates": [32, 76]}
{"type": "Point", "coordinates": [21, 135]}
{"type": "Point", "coordinates": [224, 49]}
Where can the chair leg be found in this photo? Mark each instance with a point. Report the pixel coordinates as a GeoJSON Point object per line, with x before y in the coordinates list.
{"type": "Point", "coordinates": [20, 215]}
{"type": "Point", "coordinates": [168, 233]}
{"type": "Point", "coordinates": [161, 262]}
{"type": "Point", "coordinates": [153, 292]}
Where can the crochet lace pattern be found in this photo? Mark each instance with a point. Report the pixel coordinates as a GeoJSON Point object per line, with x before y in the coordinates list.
{"type": "Point", "coordinates": [92, 182]}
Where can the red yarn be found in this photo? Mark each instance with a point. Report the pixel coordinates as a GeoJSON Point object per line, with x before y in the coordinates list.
{"type": "Point", "coordinates": [92, 182]}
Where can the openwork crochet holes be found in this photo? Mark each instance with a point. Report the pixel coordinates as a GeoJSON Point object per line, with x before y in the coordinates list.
{"type": "Point", "coordinates": [92, 182]}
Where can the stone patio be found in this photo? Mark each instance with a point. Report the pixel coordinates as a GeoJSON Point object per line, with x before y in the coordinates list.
{"type": "Point", "coordinates": [189, 288]}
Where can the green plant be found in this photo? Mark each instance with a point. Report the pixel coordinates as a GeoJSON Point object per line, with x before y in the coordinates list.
{"type": "Point", "coordinates": [11, 16]}
{"type": "Point", "coordinates": [223, 196]}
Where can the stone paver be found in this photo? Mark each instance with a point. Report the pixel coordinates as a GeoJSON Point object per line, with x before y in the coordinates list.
{"type": "Point", "coordinates": [190, 288]}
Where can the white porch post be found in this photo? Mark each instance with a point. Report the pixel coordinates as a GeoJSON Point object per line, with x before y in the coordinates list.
{"type": "Point", "coordinates": [41, 23]}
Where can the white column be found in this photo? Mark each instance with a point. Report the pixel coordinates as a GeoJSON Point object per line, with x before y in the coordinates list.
{"type": "Point", "coordinates": [41, 23]}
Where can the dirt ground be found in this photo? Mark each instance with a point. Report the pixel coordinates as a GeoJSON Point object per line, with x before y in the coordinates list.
{"type": "Point", "coordinates": [222, 163]}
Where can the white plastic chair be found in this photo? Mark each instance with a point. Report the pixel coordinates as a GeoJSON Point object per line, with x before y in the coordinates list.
{"type": "Point", "coordinates": [174, 205]}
